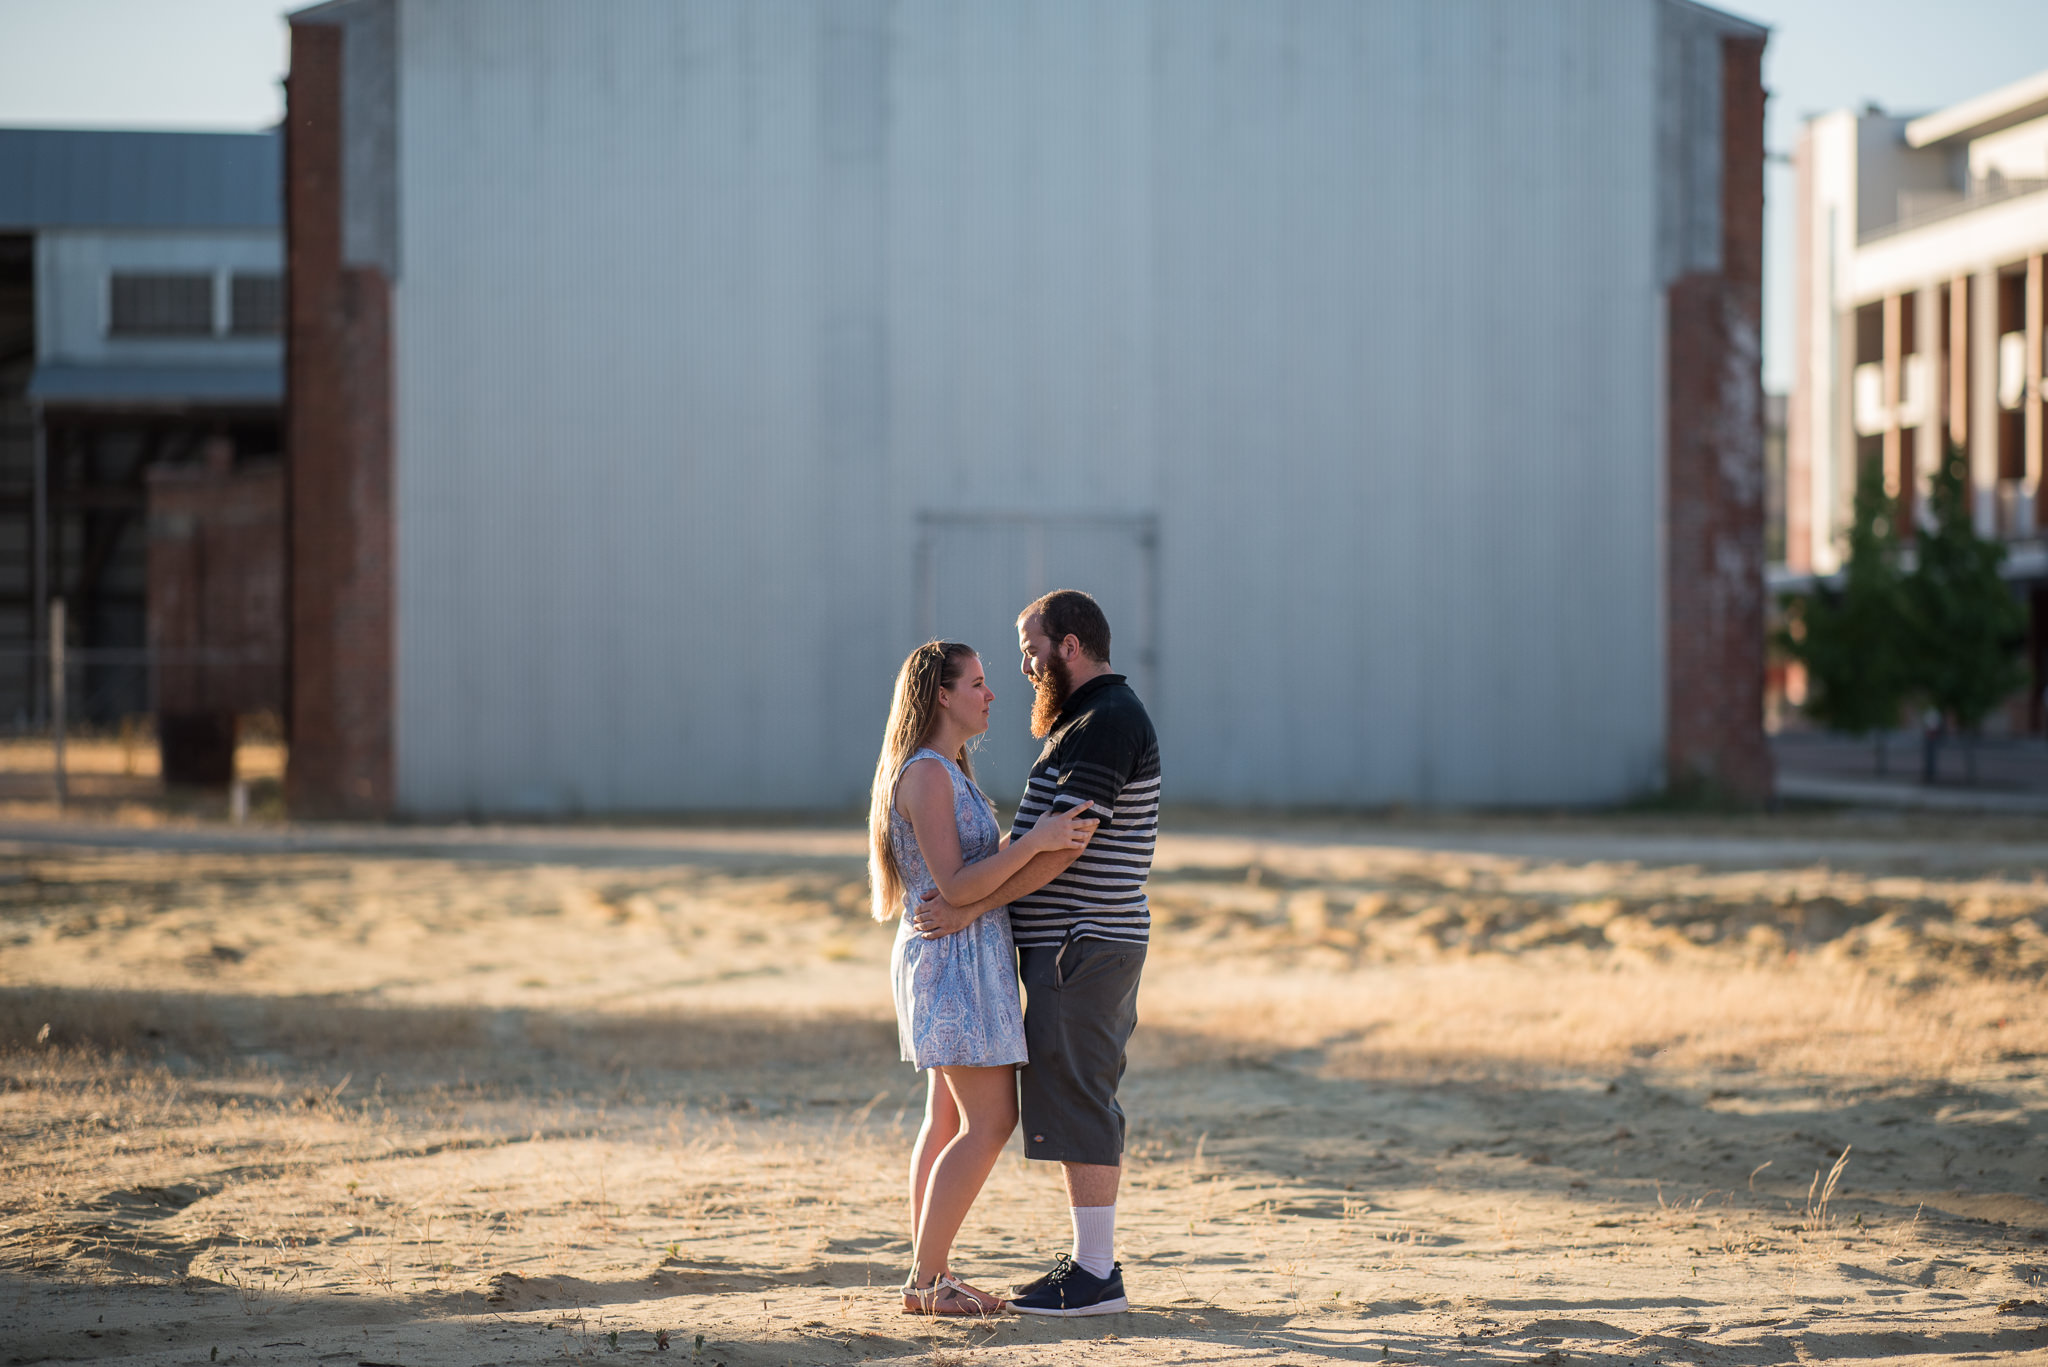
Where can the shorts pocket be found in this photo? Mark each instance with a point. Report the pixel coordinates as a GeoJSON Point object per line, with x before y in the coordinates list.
{"type": "Point", "coordinates": [1088, 959]}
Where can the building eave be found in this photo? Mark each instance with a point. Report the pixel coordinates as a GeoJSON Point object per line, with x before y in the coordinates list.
{"type": "Point", "coordinates": [1987, 113]}
{"type": "Point", "coordinates": [2001, 231]}
{"type": "Point", "coordinates": [157, 386]}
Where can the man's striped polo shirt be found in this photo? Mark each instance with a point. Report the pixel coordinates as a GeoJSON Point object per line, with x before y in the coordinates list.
{"type": "Point", "coordinates": [1102, 750]}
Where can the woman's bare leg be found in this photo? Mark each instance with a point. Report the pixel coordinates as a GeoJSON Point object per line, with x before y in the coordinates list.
{"type": "Point", "coordinates": [985, 1100]}
{"type": "Point", "coordinates": [941, 1123]}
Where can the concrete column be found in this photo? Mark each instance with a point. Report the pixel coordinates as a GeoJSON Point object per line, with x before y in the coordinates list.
{"type": "Point", "coordinates": [2030, 405]}
{"type": "Point", "coordinates": [1894, 320]}
{"type": "Point", "coordinates": [1803, 406]}
{"type": "Point", "coordinates": [1928, 436]}
{"type": "Point", "coordinates": [1832, 505]}
{"type": "Point", "coordinates": [1984, 398]}
{"type": "Point", "coordinates": [39, 558]}
{"type": "Point", "coordinates": [1956, 364]}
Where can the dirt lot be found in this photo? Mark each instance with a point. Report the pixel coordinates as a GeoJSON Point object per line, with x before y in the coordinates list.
{"type": "Point", "coordinates": [1636, 1089]}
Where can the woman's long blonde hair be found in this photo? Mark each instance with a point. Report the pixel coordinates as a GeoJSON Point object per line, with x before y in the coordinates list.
{"type": "Point", "coordinates": [912, 712]}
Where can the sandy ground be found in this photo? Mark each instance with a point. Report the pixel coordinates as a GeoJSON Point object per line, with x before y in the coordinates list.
{"type": "Point", "coordinates": [1640, 1089]}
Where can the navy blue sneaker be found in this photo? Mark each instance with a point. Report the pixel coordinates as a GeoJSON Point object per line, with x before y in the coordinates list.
{"type": "Point", "coordinates": [1071, 1290]}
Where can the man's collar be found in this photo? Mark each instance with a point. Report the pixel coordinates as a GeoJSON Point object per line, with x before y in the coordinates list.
{"type": "Point", "coordinates": [1079, 695]}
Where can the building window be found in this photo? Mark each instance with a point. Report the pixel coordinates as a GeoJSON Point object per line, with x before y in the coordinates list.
{"type": "Point", "coordinates": [161, 306]}
{"type": "Point", "coordinates": [256, 305]}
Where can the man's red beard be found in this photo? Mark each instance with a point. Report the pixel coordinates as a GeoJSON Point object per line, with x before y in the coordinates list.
{"type": "Point", "coordinates": [1050, 689]}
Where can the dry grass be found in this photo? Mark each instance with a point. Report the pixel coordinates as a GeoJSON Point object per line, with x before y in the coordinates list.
{"type": "Point", "coordinates": [433, 1111]}
{"type": "Point", "coordinates": [128, 752]}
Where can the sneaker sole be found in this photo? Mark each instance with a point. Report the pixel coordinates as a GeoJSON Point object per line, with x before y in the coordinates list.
{"type": "Point", "coordinates": [1111, 1307]}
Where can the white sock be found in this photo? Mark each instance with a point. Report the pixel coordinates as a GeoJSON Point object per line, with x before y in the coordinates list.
{"type": "Point", "coordinates": [1095, 1238]}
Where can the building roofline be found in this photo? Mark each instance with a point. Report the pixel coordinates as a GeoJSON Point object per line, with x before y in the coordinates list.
{"type": "Point", "coordinates": [315, 13]}
{"type": "Point", "coordinates": [1726, 18]}
{"type": "Point", "coordinates": [318, 13]}
{"type": "Point", "coordinates": [122, 130]}
{"type": "Point", "coordinates": [139, 178]}
{"type": "Point", "coordinates": [2001, 108]}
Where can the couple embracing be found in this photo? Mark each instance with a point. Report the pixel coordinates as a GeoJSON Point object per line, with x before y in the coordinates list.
{"type": "Point", "coordinates": [1058, 903]}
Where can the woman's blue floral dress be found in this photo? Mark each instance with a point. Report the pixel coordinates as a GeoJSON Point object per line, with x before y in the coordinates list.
{"type": "Point", "coordinates": [956, 997]}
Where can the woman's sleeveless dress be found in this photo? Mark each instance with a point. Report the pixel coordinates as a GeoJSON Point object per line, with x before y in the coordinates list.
{"type": "Point", "coordinates": [956, 996]}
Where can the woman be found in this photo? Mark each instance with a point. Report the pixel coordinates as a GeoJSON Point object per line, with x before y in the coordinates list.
{"type": "Point", "coordinates": [957, 1012]}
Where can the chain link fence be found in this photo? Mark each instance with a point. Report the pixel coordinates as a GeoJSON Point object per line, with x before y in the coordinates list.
{"type": "Point", "coordinates": [87, 730]}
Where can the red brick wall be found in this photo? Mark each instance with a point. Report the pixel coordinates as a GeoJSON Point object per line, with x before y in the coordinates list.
{"type": "Point", "coordinates": [338, 449]}
{"type": "Point", "coordinates": [1716, 473]}
{"type": "Point", "coordinates": [216, 588]}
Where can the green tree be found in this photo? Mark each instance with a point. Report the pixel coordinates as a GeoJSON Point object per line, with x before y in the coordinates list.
{"type": "Point", "coordinates": [1964, 628]}
{"type": "Point", "coordinates": [1852, 638]}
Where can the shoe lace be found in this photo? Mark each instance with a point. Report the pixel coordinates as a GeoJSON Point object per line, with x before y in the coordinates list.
{"type": "Point", "coordinates": [1063, 1267]}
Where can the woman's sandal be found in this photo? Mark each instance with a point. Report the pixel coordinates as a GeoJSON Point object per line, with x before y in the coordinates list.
{"type": "Point", "coordinates": [948, 1295]}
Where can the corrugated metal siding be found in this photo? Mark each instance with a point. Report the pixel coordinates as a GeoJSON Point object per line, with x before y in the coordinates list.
{"type": "Point", "coordinates": [705, 304]}
{"type": "Point", "coordinates": [1409, 534]}
{"type": "Point", "coordinates": [60, 177]}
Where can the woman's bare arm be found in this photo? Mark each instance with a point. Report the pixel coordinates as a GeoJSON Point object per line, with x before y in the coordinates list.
{"type": "Point", "coordinates": [925, 796]}
{"type": "Point", "coordinates": [935, 917]}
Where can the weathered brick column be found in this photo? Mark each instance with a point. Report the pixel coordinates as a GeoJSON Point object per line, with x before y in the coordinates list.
{"type": "Point", "coordinates": [1716, 473]}
{"type": "Point", "coordinates": [338, 449]}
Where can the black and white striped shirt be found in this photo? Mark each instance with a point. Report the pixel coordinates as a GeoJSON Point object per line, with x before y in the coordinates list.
{"type": "Point", "coordinates": [1103, 750]}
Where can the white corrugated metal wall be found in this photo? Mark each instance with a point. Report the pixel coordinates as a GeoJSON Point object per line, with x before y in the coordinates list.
{"type": "Point", "coordinates": [704, 305]}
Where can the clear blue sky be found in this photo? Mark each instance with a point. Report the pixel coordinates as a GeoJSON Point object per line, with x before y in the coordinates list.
{"type": "Point", "coordinates": [217, 63]}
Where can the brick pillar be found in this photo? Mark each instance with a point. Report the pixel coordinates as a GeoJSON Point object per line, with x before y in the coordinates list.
{"type": "Point", "coordinates": [215, 608]}
{"type": "Point", "coordinates": [1716, 472]}
{"type": "Point", "coordinates": [338, 449]}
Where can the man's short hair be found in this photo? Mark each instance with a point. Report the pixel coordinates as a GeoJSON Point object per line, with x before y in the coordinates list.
{"type": "Point", "coordinates": [1070, 612]}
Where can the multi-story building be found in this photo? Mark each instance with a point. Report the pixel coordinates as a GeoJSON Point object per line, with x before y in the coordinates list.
{"type": "Point", "coordinates": [1918, 323]}
{"type": "Point", "coordinates": [141, 307]}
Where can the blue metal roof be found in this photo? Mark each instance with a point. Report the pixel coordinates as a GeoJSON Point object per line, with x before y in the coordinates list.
{"type": "Point", "coordinates": [90, 178]}
{"type": "Point", "coordinates": [158, 385]}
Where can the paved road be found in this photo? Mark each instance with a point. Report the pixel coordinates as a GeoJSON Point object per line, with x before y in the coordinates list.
{"type": "Point", "coordinates": [2008, 775]}
{"type": "Point", "coordinates": [2016, 764]}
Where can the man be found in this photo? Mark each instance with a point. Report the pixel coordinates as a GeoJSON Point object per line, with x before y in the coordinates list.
{"type": "Point", "coordinates": [1081, 924]}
